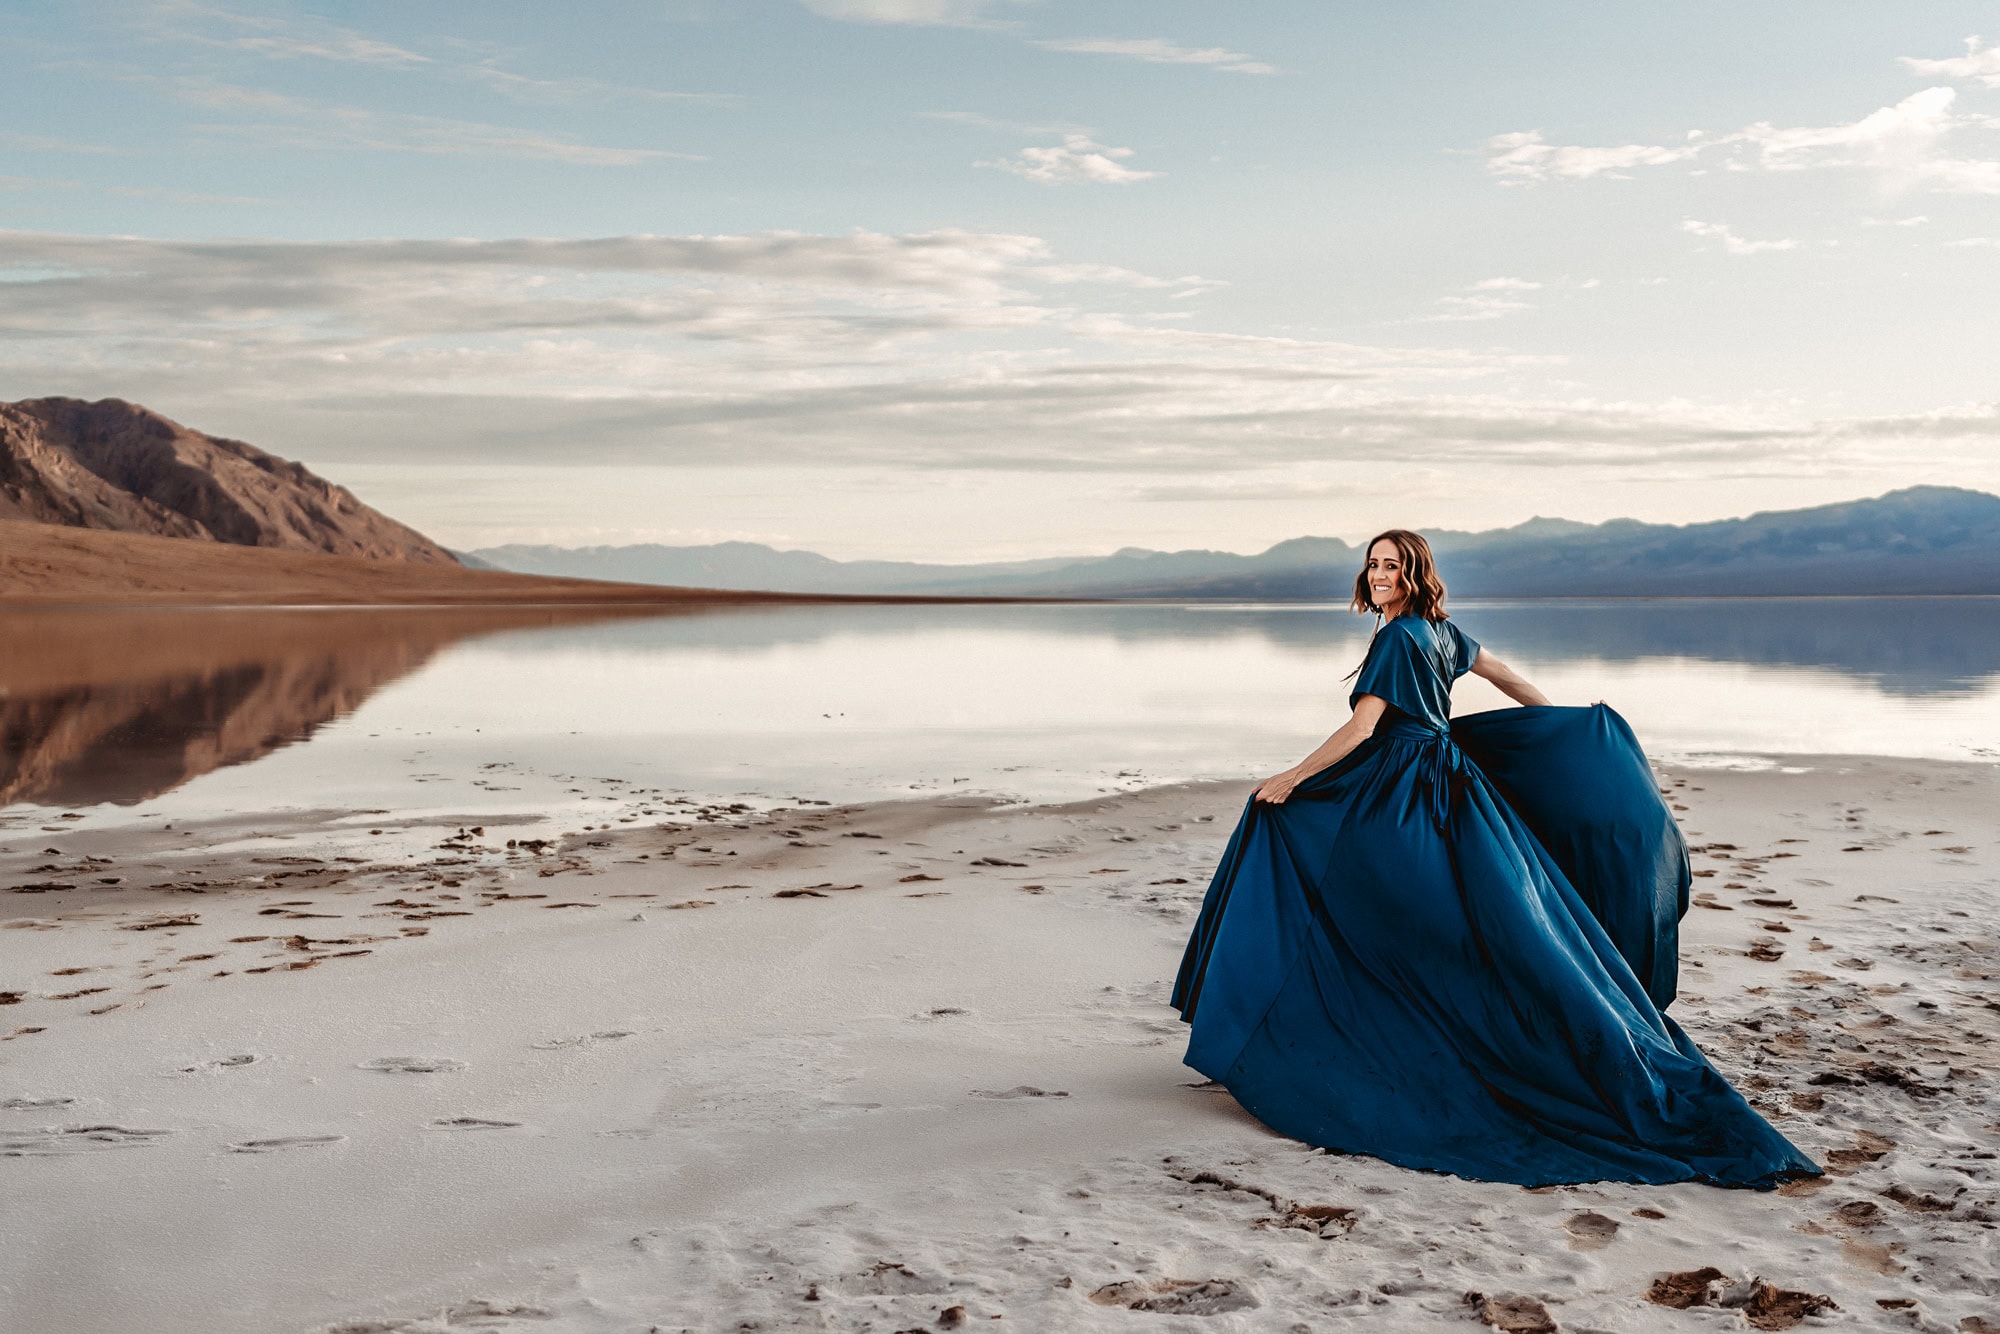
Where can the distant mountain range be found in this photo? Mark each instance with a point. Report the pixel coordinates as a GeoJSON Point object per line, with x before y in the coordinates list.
{"type": "Point", "coordinates": [1920, 540]}
{"type": "Point", "coordinates": [116, 467]}
{"type": "Point", "coordinates": [121, 469]}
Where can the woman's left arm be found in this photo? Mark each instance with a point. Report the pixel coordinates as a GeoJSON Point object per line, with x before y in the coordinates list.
{"type": "Point", "coordinates": [1510, 682]}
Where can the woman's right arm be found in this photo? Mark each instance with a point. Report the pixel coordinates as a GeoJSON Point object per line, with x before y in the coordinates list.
{"type": "Point", "coordinates": [1368, 711]}
{"type": "Point", "coordinates": [1510, 682]}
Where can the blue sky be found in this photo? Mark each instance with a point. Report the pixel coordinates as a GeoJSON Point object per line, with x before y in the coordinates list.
{"type": "Point", "coordinates": [960, 280]}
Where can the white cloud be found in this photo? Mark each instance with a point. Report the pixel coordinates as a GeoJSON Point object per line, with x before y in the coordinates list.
{"type": "Point", "coordinates": [1460, 309]}
{"type": "Point", "coordinates": [1905, 144]}
{"type": "Point", "coordinates": [1979, 62]}
{"type": "Point", "coordinates": [344, 46]}
{"type": "Point", "coordinates": [565, 92]}
{"type": "Point", "coordinates": [1158, 51]}
{"type": "Point", "coordinates": [1733, 243]}
{"type": "Point", "coordinates": [1905, 135]}
{"type": "Point", "coordinates": [984, 350]}
{"type": "Point", "coordinates": [308, 38]}
{"type": "Point", "coordinates": [1077, 158]}
{"type": "Point", "coordinates": [1524, 156]}
{"type": "Point", "coordinates": [926, 351]}
{"type": "Point", "coordinates": [1489, 299]}
{"type": "Point", "coordinates": [279, 39]}
{"type": "Point", "coordinates": [1976, 242]}
{"type": "Point", "coordinates": [947, 13]}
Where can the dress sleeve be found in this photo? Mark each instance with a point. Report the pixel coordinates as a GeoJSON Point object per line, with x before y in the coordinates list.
{"type": "Point", "coordinates": [1394, 671]}
{"type": "Point", "coordinates": [1467, 650]}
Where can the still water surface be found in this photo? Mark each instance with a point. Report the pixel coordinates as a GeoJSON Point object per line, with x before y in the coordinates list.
{"type": "Point", "coordinates": [190, 714]}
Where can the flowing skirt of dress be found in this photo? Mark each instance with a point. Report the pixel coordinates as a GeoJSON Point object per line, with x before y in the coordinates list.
{"type": "Point", "coordinates": [1393, 963]}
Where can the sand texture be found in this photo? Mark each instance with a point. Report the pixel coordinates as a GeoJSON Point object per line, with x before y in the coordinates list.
{"type": "Point", "coordinates": [909, 1067]}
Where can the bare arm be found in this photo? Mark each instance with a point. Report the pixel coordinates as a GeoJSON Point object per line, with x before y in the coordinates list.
{"type": "Point", "coordinates": [1357, 729]}
{"type": "Point", "coordinates": [1510, 682]}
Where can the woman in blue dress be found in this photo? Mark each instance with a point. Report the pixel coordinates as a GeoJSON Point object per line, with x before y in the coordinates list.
{"type": "Point", "coordinates": [1449, 945]}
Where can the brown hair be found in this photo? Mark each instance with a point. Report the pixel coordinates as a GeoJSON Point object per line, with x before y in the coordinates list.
{"type": "Point", "coordinates": [1423, 591]}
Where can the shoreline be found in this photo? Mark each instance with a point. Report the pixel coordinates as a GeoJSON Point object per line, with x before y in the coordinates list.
{"type": "Point", "coordinates": [44, 566]}
{"type": "Point", "coordinates": [846, 1066]}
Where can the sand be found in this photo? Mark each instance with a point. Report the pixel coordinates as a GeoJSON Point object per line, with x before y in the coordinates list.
{"type": "Point", "coordinates": [909, 1066]}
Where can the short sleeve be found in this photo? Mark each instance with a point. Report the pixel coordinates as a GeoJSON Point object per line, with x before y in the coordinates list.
{"type": "Point", "coordinates": [1394, 671]}
{"type": "Point", "coordinates": [1466, 650]}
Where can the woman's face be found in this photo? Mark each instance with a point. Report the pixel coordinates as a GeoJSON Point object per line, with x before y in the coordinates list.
{"type": "Point", "coordinates": [1385, 575]}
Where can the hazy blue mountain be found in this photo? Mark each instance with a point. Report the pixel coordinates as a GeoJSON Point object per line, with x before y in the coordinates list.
{"type": "Point", "coordinates": [1924, 539]}
{"type": "Point", "coordinates": [751, 565]}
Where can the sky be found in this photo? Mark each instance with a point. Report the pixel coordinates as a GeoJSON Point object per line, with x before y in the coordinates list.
{"type": "Point", "coordinates": [967, 280]}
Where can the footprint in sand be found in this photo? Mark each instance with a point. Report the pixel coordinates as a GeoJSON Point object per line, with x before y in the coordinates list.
{"type": "Point", "coordinates": [582, 1039]}
{"type": "Point", "coordinates": [1590, 1231]}
{"type": "Point", "coordinates": [477, 1313]}
{"type": "Point", "coordinates": [285, 1142]}
{"type": "Point", "coordinates": [470, 1123]}
{"type": "Point", "coordinates": [221, 1063]}
{"type": "Point", "coordinates": [1021, 1091]}
{"type": "Point", "coordinates": [1176, 1296]}
{"type": "Point", "coordinates": [1512, 1313]}
{"type": "Point", "coordinates": [887, 1278]}
{"type": "Point", "coordinates": [55, 1141]}
{"type": "Point", "coordinates": [32, 1104]}
{"type": "Point", "coordinates": [412, 1065]}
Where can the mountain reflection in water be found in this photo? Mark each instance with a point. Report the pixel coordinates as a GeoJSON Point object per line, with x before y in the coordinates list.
{"type": "Point", "coordinates": [121, 706]}
{"type": "Point", "coordinates": [1904, 646]}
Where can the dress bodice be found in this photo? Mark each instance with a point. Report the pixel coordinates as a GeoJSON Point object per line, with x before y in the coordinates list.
{"type": "Point", "coordinates": [1411, 664]}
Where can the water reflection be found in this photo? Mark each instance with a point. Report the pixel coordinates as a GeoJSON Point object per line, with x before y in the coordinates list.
{"type": "Point", "coordinates": [409, 707]}
{"type": "Point", "coordinates": [1904, 646]}
{"type": "Point", "coordinates": [122, 706]}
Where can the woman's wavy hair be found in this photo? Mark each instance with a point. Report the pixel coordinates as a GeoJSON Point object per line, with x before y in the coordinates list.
{"type": "Point", "coordinates": [1425, 591]}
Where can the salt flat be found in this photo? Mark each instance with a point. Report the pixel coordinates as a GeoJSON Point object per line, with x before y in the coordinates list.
{"type": "Point", "coordinates": [909, 1066]}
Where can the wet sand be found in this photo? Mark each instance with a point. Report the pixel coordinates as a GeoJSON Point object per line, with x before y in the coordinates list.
{"type": "Point", "coordinates": [909, 1066]}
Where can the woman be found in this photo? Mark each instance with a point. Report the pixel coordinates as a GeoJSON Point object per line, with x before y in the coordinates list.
{"type": "Point", "coordinates": [1448, 945]}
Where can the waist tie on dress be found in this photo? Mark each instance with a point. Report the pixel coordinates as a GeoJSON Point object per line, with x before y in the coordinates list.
{"type": "Point", "coordinates": [1443, 767]}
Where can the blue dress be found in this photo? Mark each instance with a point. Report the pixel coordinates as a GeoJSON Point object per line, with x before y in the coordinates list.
{"type": "Point", "coordinates": [1452, 949]}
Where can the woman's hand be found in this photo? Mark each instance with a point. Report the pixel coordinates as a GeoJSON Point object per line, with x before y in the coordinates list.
{"type": "Point", "coordinates": [1277, 787]}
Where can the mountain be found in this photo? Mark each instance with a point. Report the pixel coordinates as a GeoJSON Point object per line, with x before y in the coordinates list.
{"type": "Point", "coordinates": [741, 565]}
{"type": "Point", "coordinates": [49, 563]}
{"type": "Point", "coordinates": [1920, 540]}
{"type": "Point", "coordinates": [121, 468]}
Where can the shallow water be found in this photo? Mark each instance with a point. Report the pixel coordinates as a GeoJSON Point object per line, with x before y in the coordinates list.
{"type": "Point", "coordinates": [190, 714]}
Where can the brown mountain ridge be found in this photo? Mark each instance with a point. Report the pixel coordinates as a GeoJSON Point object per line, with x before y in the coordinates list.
{"type": "Point", "coordinates": [117, 467]}
{"type": "Point", "coordinates": [109, 502]}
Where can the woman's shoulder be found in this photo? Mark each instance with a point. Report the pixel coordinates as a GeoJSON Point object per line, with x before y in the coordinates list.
{"type": "Point", "coordinates": [1419, 629]}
